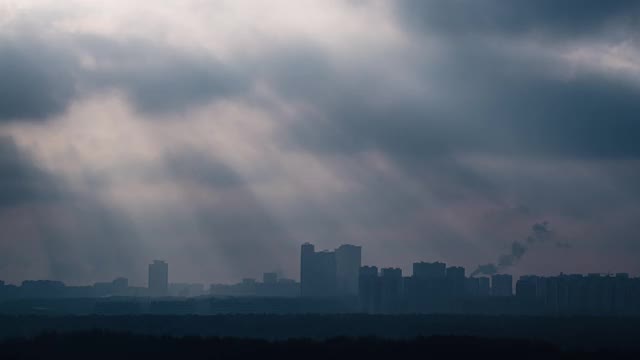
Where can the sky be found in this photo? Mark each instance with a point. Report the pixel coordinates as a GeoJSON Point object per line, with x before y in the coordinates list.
{"type": "Point", "coordinates": [221, 135]}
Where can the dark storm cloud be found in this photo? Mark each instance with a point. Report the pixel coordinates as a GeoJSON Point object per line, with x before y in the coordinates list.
{"type": "Point", "coordinates": [524, 103]}
{"type": "Point", "coordinates": [487, 96]}
{"type": "Point", "coordinates": [36, 80]}
{"type": "Point", "coordinates": [558, 19]}
{"type": "Point", "coordinates": [513, 102]}
{"type": "Point", "coordinates": [21, 182]}
{"type": "Point", "coordinates": [347, 116]}
{"type": "Point", "coordinates": [41, 76]}
{"type": "Point", "coordinates": [489, 99]}
{"type": "Point", "coordinates": [160, 78]}
{"type": "Point", "coordinates": [500, 96]}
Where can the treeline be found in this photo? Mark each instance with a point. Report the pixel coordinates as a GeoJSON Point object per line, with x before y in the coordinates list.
{"type": "Point", "coordinates": [590, 333]}
{"type": "Point", "coordinates": [109, 345]}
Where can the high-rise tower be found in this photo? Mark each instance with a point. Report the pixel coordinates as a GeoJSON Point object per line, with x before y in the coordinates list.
{"type": "Point", "coordinates": [158, 278]}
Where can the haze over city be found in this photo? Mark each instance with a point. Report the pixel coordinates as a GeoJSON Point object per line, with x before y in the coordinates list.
{"type": "Point", "coordinates": [220, 136]}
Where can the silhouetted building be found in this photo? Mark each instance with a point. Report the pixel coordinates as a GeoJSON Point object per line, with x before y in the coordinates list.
{"type": "Point", "coordinates": [369, 289]}
{"type": "Point", "coordinates": [325, 275]}
{"type": "Point", "coordinates": [527, 288]}
{"type": "Point", "coordinates": [622, 293]}
{"type": "Point", "coordinates": [429, 270]}
{"type": "Point", "coordinates": [484, 286]}
{"type": "Point", "coordinates": [391, 289]}
{"type": "Point", "coordinates": [42, 288]}
{"type": "Point", "coordinates": [456, 282]}
{"type": "Point", "coordinates": [477, 287]}
{"type": "Point", "coordinates": [426, 290]}
{"type": "Point", "coordinates": [329, 273]}
{"type": "Point", "coordinates": [158, 278]}
{"type": "Point", "coordinates": [307, 270]}
{"type": "Point", "coordinates": [552, 286]}
{"type": "Point", "coordinates": [472, 287]}
{"type": "Point", "coordinates": [501, 285]}
{"type": "Point", "coordinates": [348, 262]}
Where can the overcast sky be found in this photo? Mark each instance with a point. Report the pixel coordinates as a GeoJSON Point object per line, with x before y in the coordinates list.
{"type": "Point", "coordinates": [221, 135]}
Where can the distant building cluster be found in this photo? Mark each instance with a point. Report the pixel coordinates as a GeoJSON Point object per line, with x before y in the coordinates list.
{"type": "Point", "coordinates": [336, 281]}
{"type": "Point", "coordinates": [271, 286]}
{"type": "Point", "coordinates": [34, 289]}
{"type": "Point", "coordinates": [158, 287]}
{"type": "Point", "coordinates": [579, 294]}
{"type": "Point", "coordinates": [435, 288]}
{"type": "Point", "coordinates": [329, 273]}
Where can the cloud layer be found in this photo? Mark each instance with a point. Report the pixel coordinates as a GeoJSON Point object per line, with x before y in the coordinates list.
{"type": "Point", "coordinates": [221, 136]}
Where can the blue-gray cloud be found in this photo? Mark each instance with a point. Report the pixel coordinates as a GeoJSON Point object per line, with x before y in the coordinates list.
{"type": "Point", "coordinates": [554, 19]}
{"type": "Point", "coordinates": [37, 80]}
{"type": "Point", "coordinates": [42, 76]}
{"type": "Point", "coordinates": [21, 181]}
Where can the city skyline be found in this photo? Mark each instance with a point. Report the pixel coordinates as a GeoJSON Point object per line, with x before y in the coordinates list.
{"type": "Point", "coordinates": [337, 282]}
{"type": "Point", "coordinates": [159, 281]}
{"type": "Point", "coordinates": [140, 276]}
{"type": "Point", "coordinates": [541, 234]}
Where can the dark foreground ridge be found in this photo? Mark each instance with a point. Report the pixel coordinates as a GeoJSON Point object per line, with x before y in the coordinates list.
{"type": "Point", "coordinates": [576, 333]}
{"type": "Point", "coordinates": [106, 345]}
